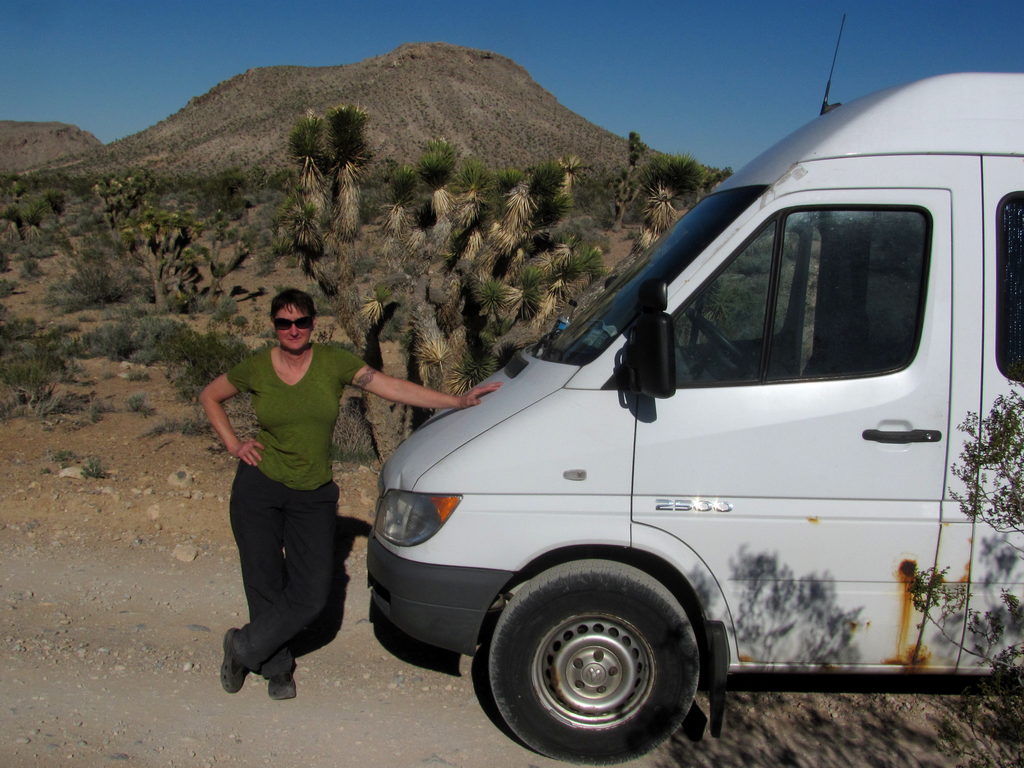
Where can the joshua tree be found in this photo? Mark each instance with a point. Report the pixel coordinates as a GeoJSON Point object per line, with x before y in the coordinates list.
{"type": "Point", "coordinates": [436, 167]}
{"type": "Point", "coordinates": [664, 180]}
{"type": "Point", "coordinates": [226, 254]}
{"type": "Point", "coordinates": [502, 274]}
{"type": "Point", "coordinates": [626, 189]}
{"type": "Point", "coordinates": [161, 243]}
{"type": "Point", "coordinates": [321, 216]}
{"type": "Point", "coordinates": [122, 196]}
{"type": "Point", "coordinates": [473, 267]}
{"type": "Point", "coordinates": [573, 169]}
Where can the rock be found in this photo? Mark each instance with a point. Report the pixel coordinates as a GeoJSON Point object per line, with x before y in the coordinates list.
{"type": "Point", "coordinates": [153, 513]}
{"type": "Point", "coordinates": [186, 553]}
{"type": "Point", "coordinates": [180, 479]}
{"type": "Point", "coordinates": [75, 472]}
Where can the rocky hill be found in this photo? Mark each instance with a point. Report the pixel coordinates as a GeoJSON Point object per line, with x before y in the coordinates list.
{"type": "Point", "coordinates": [486, 105]}
{"type": "Point", "coordinates": [29, 145]}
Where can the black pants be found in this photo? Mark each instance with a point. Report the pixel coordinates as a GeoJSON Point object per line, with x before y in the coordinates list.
{"type": "Point", "coordinates": [286, 546]}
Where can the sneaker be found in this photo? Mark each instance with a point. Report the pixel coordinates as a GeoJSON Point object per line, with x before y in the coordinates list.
{"type": "Point", "coordinates": [232, 671]}
{"type": "Point", "coordinates": [281, 687]}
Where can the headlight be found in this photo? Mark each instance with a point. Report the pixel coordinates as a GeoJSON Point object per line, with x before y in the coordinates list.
{"type": "Point", "coordinates": [406, 519]}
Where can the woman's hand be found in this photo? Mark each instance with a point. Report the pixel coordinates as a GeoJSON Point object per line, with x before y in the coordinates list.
{"type": "Point", "coordinates": [248, 451]}
{"type": "Point", "coordinates": [409, 393]}
{"type": "Point", "coordinates": [472, 397]}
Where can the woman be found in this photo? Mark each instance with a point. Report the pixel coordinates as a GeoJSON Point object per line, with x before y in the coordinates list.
{"type": "Point", "coordinates": [283, 499]}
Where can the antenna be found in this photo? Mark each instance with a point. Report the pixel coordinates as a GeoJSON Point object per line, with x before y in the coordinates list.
{"type": "Point", "coordinates": [825, 106]}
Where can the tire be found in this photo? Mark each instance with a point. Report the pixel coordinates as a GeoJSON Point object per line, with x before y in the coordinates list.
{"type": "Point", "coordinates": [593, 661]}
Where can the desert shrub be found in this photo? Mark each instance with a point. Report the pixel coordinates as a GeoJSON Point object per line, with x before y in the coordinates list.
{"type": "Point", "coordinates": [14, 331]}
{"type": "Point", "coordinates": [137, 341]}
{"type": "Point", "coordinates": [139, 403]}
{"type": "Point", "coordinates": [38, 249]}
{"type": "Point", "coordinates": [113, 341]}
{"type": "Point", "coordinates": [29, 268]}
{"type": "Point", "coordinates": [224, 309]}
{"type": "Point", "coordinates": [987, 726]}
{"type": "Point", "coordinates": [96, 409]}
{"type": "Point", "coordinates": [62, 457]}
{"type": "Point", "coordinates": [131, 311]}
{"type": "Point", "coordinates": [93, 468]}
{"type": "Point", "coordinates": [85, 222]}
{"type": "Point", "coordinates": [6, 288]}
{"type": "Point", "coordinates": [594, 196]}
{"type": "Point", "coordinates": [95, 280]}
{"type": "Point", "coordinates": [223, 191]}
{"type": "Point", "coordinates": [584, 229]}
{"type": "Point", "coordinates": [352, 441]}
{"type": "Point", "coordinates": [194, 359]}
{"type": "Point", "coordinates": [32, 368]}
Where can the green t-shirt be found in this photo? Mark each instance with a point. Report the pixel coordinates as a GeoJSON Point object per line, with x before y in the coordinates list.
{"type": "Point", "coordinates": [297, 421]}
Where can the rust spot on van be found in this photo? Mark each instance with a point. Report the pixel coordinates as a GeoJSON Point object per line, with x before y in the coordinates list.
{"type": "Point", "coordinates": [745, 657]}
{"type": "Point", "coordinates": [813, 520]}
{"type": "Point", "coordinates": [905, 576]}
{"type": "Point", "coordinates": [966, 578]}
{"type": "Point", "coordinates": [909, 653]}
{"type": "Point", "coordinates": [915, 658]}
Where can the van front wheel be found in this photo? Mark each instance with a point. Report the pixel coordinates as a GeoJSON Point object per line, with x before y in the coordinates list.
{"type": "Point", "coordinates": [593, 661]}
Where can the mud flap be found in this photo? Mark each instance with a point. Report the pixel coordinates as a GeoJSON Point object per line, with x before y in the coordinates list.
{"type": "Point", "coordinates": [718, 671]}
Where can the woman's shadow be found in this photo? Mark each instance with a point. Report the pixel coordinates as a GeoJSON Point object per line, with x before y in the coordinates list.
{"type": "Point", "coordinates": [326, 627]}
{"type": "Point", "coordinates": [328, 624]}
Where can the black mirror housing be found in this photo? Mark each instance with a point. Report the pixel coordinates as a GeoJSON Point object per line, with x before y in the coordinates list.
{"type": "Point", "coordinates": [649, 359]}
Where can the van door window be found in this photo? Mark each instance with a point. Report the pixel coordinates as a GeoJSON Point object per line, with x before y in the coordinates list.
{"type": "Point", "coordinates": [1010, 309]}
{"type": "Point", "coordinates": [841, 291]}
{"type": "Point", "coordinates": [719, 333]}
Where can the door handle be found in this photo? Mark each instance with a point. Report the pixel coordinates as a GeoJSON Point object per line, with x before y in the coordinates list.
{"type": "Point", "coordinates": [908, 436]}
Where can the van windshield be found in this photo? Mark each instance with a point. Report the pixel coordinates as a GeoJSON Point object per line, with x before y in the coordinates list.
{"type": "Point", "coordinates": [611, 305]}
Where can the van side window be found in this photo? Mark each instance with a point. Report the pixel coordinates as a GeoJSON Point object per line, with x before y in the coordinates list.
{"type": "Point", "coordinates": [840, 290]}
{"type": "Point", "coordinates": [1010, 307]}
{"type": "Point", "coordinates": [720, 332]}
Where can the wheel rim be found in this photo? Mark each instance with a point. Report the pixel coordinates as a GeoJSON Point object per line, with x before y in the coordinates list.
{"type": "Point", "coordinates": [594, 670]}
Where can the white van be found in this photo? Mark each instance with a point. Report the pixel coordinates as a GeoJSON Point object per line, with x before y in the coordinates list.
{"type": "Point", "coordinates": [738, 453]}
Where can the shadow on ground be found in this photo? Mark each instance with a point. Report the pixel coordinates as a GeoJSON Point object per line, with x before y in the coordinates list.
{"type": "Point", "coordinates": [827, 720]}
{"type": "Point", "coordinates": [326, 627]}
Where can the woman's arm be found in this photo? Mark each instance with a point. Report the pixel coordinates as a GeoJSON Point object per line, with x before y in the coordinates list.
{"type": "Point", "coordinates": [212, 399]}
{"type": "Point", "coordinates": [402, 391]}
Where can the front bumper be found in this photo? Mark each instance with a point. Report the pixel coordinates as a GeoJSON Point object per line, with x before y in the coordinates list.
{"type": "Point", "coordinates": [443, 605]}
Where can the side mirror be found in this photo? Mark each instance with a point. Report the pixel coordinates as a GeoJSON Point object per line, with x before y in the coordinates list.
{"type": "Point", "coordinates": [649, 358]}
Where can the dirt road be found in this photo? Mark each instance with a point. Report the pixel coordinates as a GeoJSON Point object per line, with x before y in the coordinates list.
{"type": "Point", "coordinates": [110, 649]}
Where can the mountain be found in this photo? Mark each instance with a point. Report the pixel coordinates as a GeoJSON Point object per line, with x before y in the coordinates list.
{"type": "Point", "coordinates": [28, 145]}
{"type": "Point", "coordinates": [486, 105]}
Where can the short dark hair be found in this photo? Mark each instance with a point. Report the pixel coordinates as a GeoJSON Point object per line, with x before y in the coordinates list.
{"type": "Point", "coordinates": [292, 297]}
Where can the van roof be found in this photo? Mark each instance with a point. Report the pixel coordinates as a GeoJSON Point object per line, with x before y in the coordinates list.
{"type": "Point", "coordinates": [967, 113]}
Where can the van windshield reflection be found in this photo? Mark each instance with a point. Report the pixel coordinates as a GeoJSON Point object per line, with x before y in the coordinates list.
{"type": "Point", "coordinates": [609, 307]}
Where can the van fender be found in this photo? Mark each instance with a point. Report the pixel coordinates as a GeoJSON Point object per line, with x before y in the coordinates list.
{"type": "Point", "coordinates": [691, 567]}
{"type": "Point", "coordinates": [718, 623]}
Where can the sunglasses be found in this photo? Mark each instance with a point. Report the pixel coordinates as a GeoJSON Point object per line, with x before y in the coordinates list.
{"type": "Point", "coordinates": [302, 323]}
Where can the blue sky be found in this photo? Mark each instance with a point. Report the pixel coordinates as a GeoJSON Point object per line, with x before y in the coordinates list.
{"type": "Point", "coordinates": [719, 80]}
